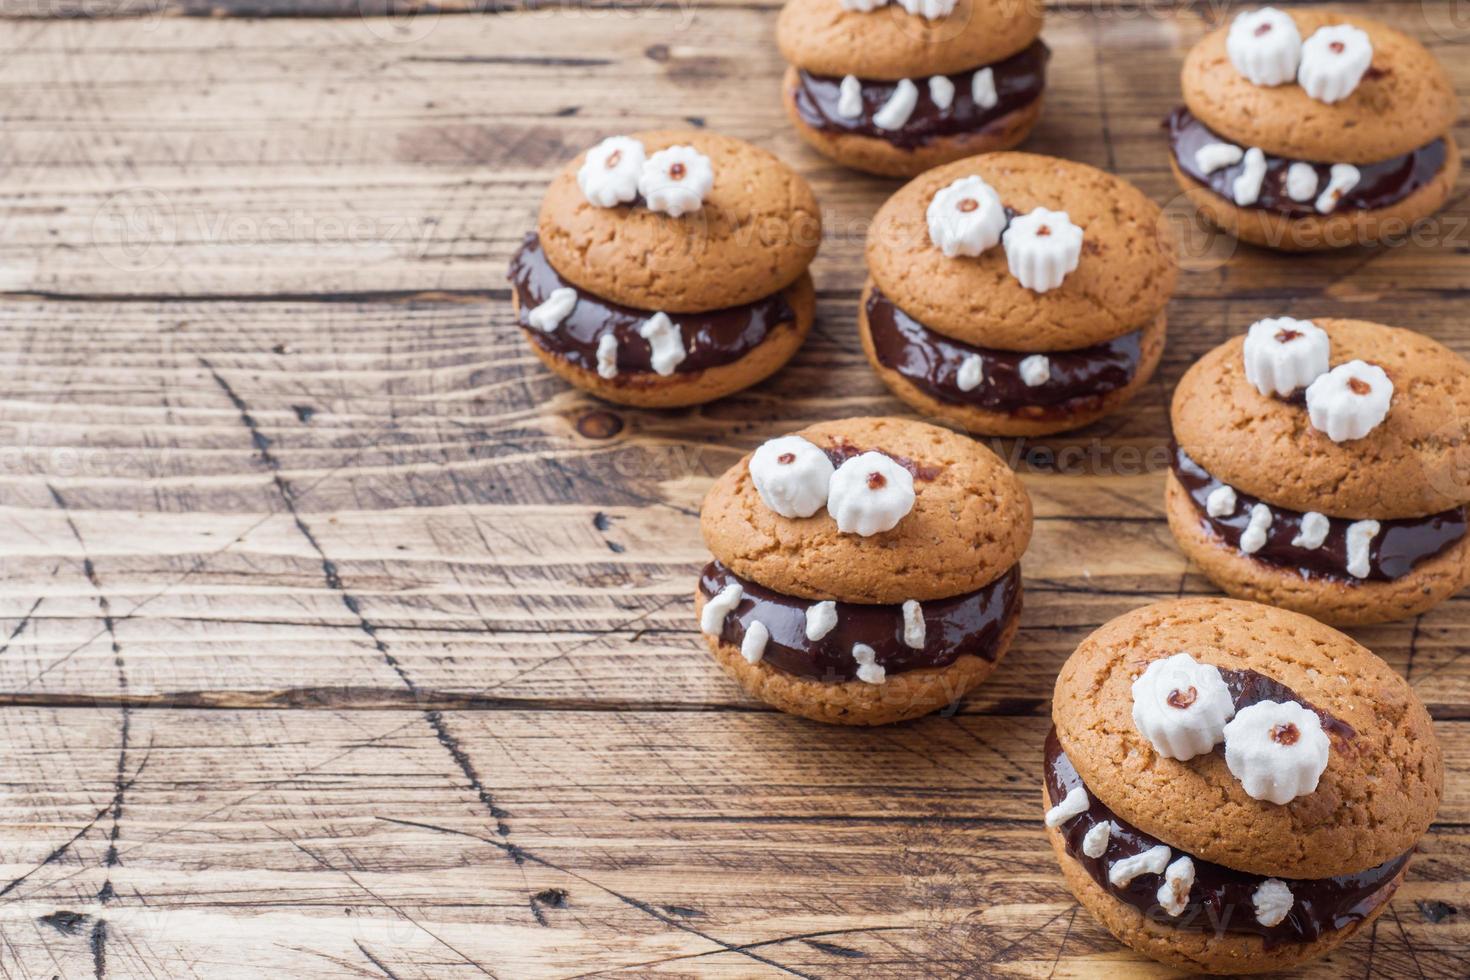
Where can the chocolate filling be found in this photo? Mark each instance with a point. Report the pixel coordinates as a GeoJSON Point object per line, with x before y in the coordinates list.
{"type": "Point", "coordinates": [1080, 379]}
{"type": "Point", "coordinates": [1019, 80]}
{"type": "Point", "coordinates": [965, 624]}
{"type": "Point", "coordinates": [1380, 185]}
{"type": "Point", "coordinates": [1393, 553]}
{"type": "Point", "coordinates": [1220, 900]}
{"type": "Point", "coordinates": [710, 339]}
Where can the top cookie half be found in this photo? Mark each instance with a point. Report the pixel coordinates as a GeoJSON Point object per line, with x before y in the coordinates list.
{"type": "Point", "coordinates": [757, 231]}
{"type": "Point", "coordinates": [889, 43]}
{"type": "Point", "coordinates": [1403, 102]}
{"type": "Point", "coordinates": [970, 522]}
{"type": "Point", "coordinates": [1124, 277]}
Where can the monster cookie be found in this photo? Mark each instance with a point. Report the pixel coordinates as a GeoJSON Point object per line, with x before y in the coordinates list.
{"type": "Point", "coordinates": [1016, 294]}
{"type": "Point", "coordinates": [1324, 466]}
{"type": "Point", "coordinates": [865, 571]}
{"type": "Point", "coordinates": [669, 268]}
{"type": "Point", "coordinates": [896, 88]}
{"type": "Point", "coordinates": [1312, 129]}
{"type": "Point", "coordinates": [1232, 788]}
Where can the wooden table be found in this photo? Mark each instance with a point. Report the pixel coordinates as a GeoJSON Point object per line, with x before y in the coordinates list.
{"type": "Point", "coordinates": [336, 637]}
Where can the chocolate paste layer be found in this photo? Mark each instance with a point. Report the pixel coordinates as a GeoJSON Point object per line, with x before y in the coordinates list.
{"type": "Point", "coordinates": [1397, 548]}
{"type": "Point", "coordinates": [1019, 79]}
{"type": "Point", "coordinates": [965, 624]}
{"type": "Point", "coordinates": [710, 339]}
{"type": "Point", "coordinates": [1079, 381]}
{"type": "Point", "coordinates": [1381, 183]}
{"type": "Point", "coordinates": [1220, 900]}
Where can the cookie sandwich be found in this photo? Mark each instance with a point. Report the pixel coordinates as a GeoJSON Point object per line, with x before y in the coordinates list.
{"type": "Point", "coordinates": [865, 571]}
{"type": "Point", "coordinates": [669, 268]}
{"type": "Point", "coordinates": [1312, 129]}
{"type": "Point", "coordinates": [894, 88]}
{"type": "Point", "coordinates": [1324, 465]}
{"type": "Point", "coordinates": [1015, 294]}
{"type": "Point", "coordinates": [1232, 788]}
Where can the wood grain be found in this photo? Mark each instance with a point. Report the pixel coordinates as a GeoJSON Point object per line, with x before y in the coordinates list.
{"type": "Point", "coordinates": [337, 638]}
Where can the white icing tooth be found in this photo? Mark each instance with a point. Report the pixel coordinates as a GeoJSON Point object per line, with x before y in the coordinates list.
{"type": "Point", "coordinates": [1334, 60]}
{"type": "Point", "coordinates": [1221, 501]}
{"type": "Point", "coordinates": [821, 619]}
{"type": "Point", "coordinates": [899, 107]}
{"type": "Point", "coordinates": [1214, 156]}
{"type": "Point", "coordinates": [1272, 901]}
{"type": "Point", "coordinates": [965, 218]}
{"type": "Point", "coordinates": [971, 373]}
{"type": "Point", "coordinates": [609, 175]}
{"type": "Point", "coordinates": [1247, 187]}
{"type": "Point", "coordinates": [869, 494]}
{"type": "Point", "coordinates": [753, 647]}
{"type": "Point", "coordinates": [607, 356]}
{"type": "Point", "coordinates": [675, 181]}
{"type": "Point", "coordinates": [791, 476]}
{"type": "Point", "coordinates": [850, 98]}
{"type": "Point", "coordinates": [1343, 178]}
{"type": "Point", "coordinates": [863, 6]}
{"type": "Point", "coordinates": [1349, 401]}
{"type": "Point", "coordinates": [1152, 861]}
{"type": "Point", "coordinates": [1301, 181]}
{"type": "Point", "coordinates": [1360, 535]}
{"type": "Point", "coordinates": [1042, 247]}
{"type": "Point", "coordinates": [1277, 749]}
{"type": "Point", "coordinates": [1283, 355]}
{"type": "Point", "coordinates": [1035, 370]}
{"type": "Point", "coordinates": [1074, 804]}
{"type": "Point", "coordinates": [913, 624]}
{"type": "Point", "coordinates": [1314, 531]}
{"type": "Point", "coordinates": [720, 605]}
{"type": "Point", "coordinates": [1095, 842]}
{"type": "Point", "coordinates": [1181, 706]}
{"type": "Point", "coordinates": [550, 314]}
{"type": "Point", "coordinates": [982, 89]}
{"type": "Point", "coordinates": [929, 9]}
{"type": "Point", "coordinates": [665, 340]}
{"type": "Point", "coordinates": [941, 91]}
{"type": "Point", "coordinates": [1253, 538]}
{"type": "Point", "coordinates": [1264, 45]}
{"type": "Point", "coordinates": [869, 672]}
{"type": "Point", "coordinates": [1178, 880]}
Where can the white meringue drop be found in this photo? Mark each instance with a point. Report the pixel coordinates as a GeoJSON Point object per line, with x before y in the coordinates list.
{"type": "Point", "coordinates": [970, 374]}
{"type": "Point", "coordinates": [791, 476]}
{"type": "Point", "coordinates": [941, 92]}
{"type": "Point", "coordinates": [1264, 46]}
{"type": "Point", "coordinates": [1349, 401]}
{"type": "Point", "coordinates": [557, 307]}
{"type": "Point", "coordinates": [869, 494]}
{"type": "Point", "coordinates": [607, 356]}
{"type": "Point", "coordinates": [665, 341]}
{"type": "Point", "coordinates": [1301, 182]}
{"type": "Point", "coordinates": [609, 175]}
{"type": "Point", "coordinates": [965, 218]}
{"type": "Point", "coordinates": [821, 619]}
{"type": "Point", "coordinates": [1314, 531]}
{"type": "Point", "coordinates": [1181, 706]}
{"type": "Point", "coordinates": [1152, 861]}
{"type": "Point", "coordinates": [1216, 156]}
{"type": "Point", "coordinates": [753, 646]}
{"type": "Point", "coordinates": [718, 606]}
{"type": "Point", "coordinates": [1074, 804]}
{"type": "Point", "coordinates": [1173, 894]}
{"type": "Point", "coordinates": [1334, 61]}
{"type": "Point", "coordinates": [1095, 841]}
{"type": "Point", "coordinates": [850, 97]}
{"type": "Point", "coordinates": [1277, 749]}
{"type": "Point", "coordinates": [899, 107]}
{"type": "Point", "coordinates": [1246, 189]}
{"type": "Point", "coordinates": [1343, 178]}
{"type": "Point", "coordinates": [929, 9]}
{"type": "Point", "coordinates": [1221, 501]}
{"type": "Point", "coordinates": [1283, 355]}
{"type": "Point", "coordinates": [1253, 538]}
{"type": "Point", "coordinates": [1034, 370]}
{"type": "Point", "coordinates": [1272, 901]}
{"type": "Point", "coordinates": [982, 89]}
{"type": "Point", "coordinates": [676, 180]}
{"type": "Point", "coordinates": [1360, 535]}
{"type": "Point", "coordinates": [1042, 248]}
{"type": "Point", "coordinates": [868, 671]}
{"type": "Point", "coordinates": [914, 631]}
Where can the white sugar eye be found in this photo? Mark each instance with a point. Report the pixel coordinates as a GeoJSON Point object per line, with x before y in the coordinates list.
{"type": "Point", "coordinates": [929, 9]}
{"type": "Point", "coordinates": [1349, 401]}
{"type": "Point", "coordinates": [1264, 45]}
{"type": "Point", "coordinates": [1277, 749]}
{"type": "Point", "coordinates": [791, 475]}
{"type": "Point", "coordinates": [1334, 61]}
{"type": "Point", "coordinates": [1181, 706]}
{"type": "Point", "coordinates": [1247, 187]}
{"type": "Point", "coordinates": [1042, 248]}
{"type": "Point", "coordinates": [675, 181]}
{"type": "Point", "coordinates": [1343, 178]}
{"type": "Point", "coordinates": [609, 175]}
{"type": "Point", "coordinates": [1283, 355]}
{"type": "Point", "coordinates": [966, 218]}
{"type": "Point", "coordinates": [870, 494]}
